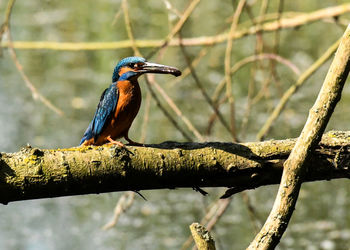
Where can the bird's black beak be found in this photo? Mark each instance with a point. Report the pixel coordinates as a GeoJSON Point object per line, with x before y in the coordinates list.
{"type": "Point", "coordinates": [148, 67]}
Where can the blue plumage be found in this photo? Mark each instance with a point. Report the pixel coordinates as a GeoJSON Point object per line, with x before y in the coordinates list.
{"type": "Point", "coordinates": [105, 108]}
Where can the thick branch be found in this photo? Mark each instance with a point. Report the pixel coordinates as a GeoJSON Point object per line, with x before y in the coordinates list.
{"type": "Point", "coordinates": [35, 173]}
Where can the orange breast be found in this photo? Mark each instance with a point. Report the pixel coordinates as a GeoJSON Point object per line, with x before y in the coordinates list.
{"type": "Point", "coordinates": [128, 106]}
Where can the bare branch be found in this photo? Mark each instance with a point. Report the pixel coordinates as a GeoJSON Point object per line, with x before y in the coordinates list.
{"type": "Point", "coordinates": [228, 78]}
{"type": "Point", "coordinates": [5, 27]}
{"type": "Point", "coordinates": [204, 92]}
{"type": "Point", "coordinates": [35, 93]}
{"type": "Point", "coordinates": [294, 88]}
{"type": "Point", "coordinates": [175, 108]}
{"type": "Point", "coordinates": [123, 204]}
{"type": "Point", "coordinates": [284, 23]}
{"type": "Point", "coordinates": [128, 28]}
{"type": "Point", "coordinates": [296, 165]}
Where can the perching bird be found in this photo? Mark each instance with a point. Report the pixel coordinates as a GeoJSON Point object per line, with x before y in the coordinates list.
{"type": "Point", "coordinates": [120, 103]}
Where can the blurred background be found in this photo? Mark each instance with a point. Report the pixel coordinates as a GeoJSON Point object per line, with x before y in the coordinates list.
{"type": "Point", "coordinates": [73, 80]}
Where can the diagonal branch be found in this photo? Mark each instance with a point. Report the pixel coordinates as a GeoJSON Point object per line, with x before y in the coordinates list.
{"type": "Point", "coordinates": [204, 92]}
{"type": "Point", "coordinates": [294, 88]}
{"type": "Point", "coordinates": [5, 27]}
{"type": "Point", "coordinates": [296, 165]}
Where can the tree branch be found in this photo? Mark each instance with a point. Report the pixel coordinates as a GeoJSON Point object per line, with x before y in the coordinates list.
{"type": "Point", "coordinates": [202, 237]}
{"type": "Point", "coordinates": [284, 23]}
{"type": "Point", "coordinates": [296, 166]}
{"type": "Point", "coordinates": [34, 173]}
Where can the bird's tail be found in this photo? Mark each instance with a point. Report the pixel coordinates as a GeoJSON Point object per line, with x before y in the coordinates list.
{"type": "Point", "coordinates": [87, 135]}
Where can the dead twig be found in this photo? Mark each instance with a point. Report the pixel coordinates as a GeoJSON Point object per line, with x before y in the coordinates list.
{"type": "Point", "coordinates": [128, 28]}
{"type": "Point", "coordinates": [203, 91]}
{"type": "Point", "coordinates": [228, 78]}
{"type": "Point", "coordinates": [145, 118]}
{"type": "Point", "coordinates": [35, 93]}
{"type": "Point", "coordinates": [177, 27]}
{"type": "Point", "coordinates": [174, 107]}
{"type": "Point", "coordinates": [123, 204]}
{"type": "Point", "coordinates": [6, 24]}
{"type": "Point", "coordinates": [294, 88]}
{"type": "Point", "coordinates": [238, 65]}
{"type": "Point", "coordinates": [165, 112]}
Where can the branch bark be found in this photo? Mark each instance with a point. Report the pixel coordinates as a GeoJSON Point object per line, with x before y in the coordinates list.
{"type": "Point", "coordinates": [35, 173]}
{"type": "Point", "coordinates": [202, 237]}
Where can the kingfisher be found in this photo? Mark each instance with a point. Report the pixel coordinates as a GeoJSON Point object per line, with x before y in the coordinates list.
{"type": "Point", "coordinates": [120, 102]}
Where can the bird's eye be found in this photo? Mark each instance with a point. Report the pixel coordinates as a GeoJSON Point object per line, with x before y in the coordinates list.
{"type": "Point", "coordinates": [133, 65]}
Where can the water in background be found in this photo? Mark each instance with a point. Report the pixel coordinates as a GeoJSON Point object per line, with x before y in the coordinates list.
{"type": "Point", "coordinates": [73, 81]}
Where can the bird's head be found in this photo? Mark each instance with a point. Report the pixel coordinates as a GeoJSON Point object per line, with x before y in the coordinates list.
{"type": "Point", "coordinates": [135, 66]}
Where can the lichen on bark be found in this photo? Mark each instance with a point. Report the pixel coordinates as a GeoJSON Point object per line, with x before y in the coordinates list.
{"type": "Point", "coordinates": [34, 173]}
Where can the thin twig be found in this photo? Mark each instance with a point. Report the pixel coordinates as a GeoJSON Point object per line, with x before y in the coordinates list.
{"type": "Point", "coordinates": [6, 23]}
{"type": "Point", "coordinates": [174, 107]}
{"type": "Point", "coordinates": [213, 117]}
{"type": "Point", "coordinates": [228, 78]}
{"type": "Point", "coordinates": [35, 93]}
{"type": "Point", "coordinates": [166, 113]}
{"type": "Point", "coordinates": [264, 91]}
{"type": "Point", "coordinates": [145, 118]}
{"type": "Point", "coordinates": [171, 8]}
{"type": "Point", "coordinates": [128, 28]}
{"type": "Point", "coordinates": [123, 204]}
{"type": "Point", "coordinates": [254, 217]}
{"type": "Point", "coordinates": [177, 27]}
{"type": "Point", "coordinates": [203, 91]}
{"type": "Point", "coordinates": [238, 65]}
{"type": "Point", "coordinates": [116, 16]}
{"type": "Point", "coordinates": [294, 88]}
{"type": "Point", "coordinates": [187, 70]}
{"type": "Point", "coordinates": [259, 46]}
{"type": "Point", "coordinates": [273, 70]}
{"type": "Point", "coordinates": [223, 205]}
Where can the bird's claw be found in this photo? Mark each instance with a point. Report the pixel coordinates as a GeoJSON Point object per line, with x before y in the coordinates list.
{"type": "Point", "coordinates": [111, 141]}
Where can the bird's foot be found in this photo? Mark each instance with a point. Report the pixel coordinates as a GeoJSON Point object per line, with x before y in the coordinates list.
{"type": "Point", "coordinates": [120, 144]}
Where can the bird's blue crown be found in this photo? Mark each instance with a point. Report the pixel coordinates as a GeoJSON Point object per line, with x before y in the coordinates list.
{"type": "Point", "coordinates": [125, 62]}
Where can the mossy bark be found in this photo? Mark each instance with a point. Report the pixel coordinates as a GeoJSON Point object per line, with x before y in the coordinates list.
{"type": "Point", "coordinates": [202, 237]}
{"type": "Point", "coordinates": [36, 173]}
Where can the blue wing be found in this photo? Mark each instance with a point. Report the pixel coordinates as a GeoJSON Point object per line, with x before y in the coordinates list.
{"type": "Point", "coordinates": [105, 109]}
